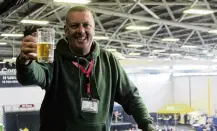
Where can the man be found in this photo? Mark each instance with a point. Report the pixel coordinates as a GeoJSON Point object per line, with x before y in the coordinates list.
{"type": "Point", "coordinates": [76, 100]}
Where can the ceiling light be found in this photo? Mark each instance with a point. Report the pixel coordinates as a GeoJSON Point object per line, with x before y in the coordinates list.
{"type": "Point", "coordinates": [3, 43]}
{"type": "Point", "coordinates": [209, 54]}
{"type": "Point", "coordinates": [170, 39]}
{"type": "Point", "coordinates": [12, 35]}
{"type": "Point", "coordinates": [188, 57]}
{"type": "Point", "coordinates": [175, 54]}
{"type": "Point", "coordinates": [198, 11]}
{"type": "Point", "coordinates": [205, 51]}
{"type": "Point", "coordinates": [2, 62]}
{"type": "Point", "coordinates": [74, 1]}
{"type": "Point", "coordinates": [152, 57]}
{"type": "Point", "coordinates": [36, 22]}
{"type": "Point", "coordinates": [190, 67]}
{"type": "Point", "coordinates": [100, 38]}
{"type": "Point", "coordinates": [213, 31]}
{"type": "Point", "coordinates": [112, 50]}
{"type": "Point", "coordinates": [188, 46]}
{"type": "Point", "coordinates": [195, 58]}
{"type": "Point", "coordinates": [137, 28]}
{"type": "Point", "coordinates": [158, 51]}
{"type": "Point", "coordinates": [134, 54]}
{"type": "Point", "coordinates": [9, 60]}
{"type": "Point", "coordinates": [134, 45]}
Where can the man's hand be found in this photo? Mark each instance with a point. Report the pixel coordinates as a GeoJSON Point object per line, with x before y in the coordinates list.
{"type": "Point", "coordinates": [28, 49]}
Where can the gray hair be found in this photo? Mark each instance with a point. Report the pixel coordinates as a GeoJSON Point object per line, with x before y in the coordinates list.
{"type": "Point", "coordinates": [77, 9]}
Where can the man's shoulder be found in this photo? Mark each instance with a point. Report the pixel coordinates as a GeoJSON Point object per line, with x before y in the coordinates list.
{"type": "Point", "coordinates": [102, 50]}
{"type": "Point", "coordinates": [108, 57]}
{"type": "Point", "coordinates": [106, 52]}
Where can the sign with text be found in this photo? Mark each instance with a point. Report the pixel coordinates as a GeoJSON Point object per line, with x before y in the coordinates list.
{"type": "Point", "coordinates": [27, 106]}
{"type": "Point", "coordinates": [8, 76]}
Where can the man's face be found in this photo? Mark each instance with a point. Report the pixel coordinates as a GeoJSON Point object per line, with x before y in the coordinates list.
{"type": "Point", "coordinates": [80, 30]}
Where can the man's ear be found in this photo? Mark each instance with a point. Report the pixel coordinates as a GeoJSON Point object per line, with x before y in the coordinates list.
{"type": "Point", "coordinates": [66, 30]}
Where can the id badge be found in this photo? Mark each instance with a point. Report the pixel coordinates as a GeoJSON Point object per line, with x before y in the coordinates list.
{"type": "Point", "coordinates": [88, 105]}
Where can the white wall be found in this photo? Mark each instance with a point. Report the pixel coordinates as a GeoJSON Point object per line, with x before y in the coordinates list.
{"type": "Point", "coordinates": [213, 93]}
{"type": "Point", "coordinates": [199, 92]}
{"type": "Point", "coordinates": [20, 95]}
{"type": "Point", "coordinates": [193, 90]}
{"type": "Point", "coordinates": [181, 90]}
{"type": "Point", "coordinates": [156, 90]}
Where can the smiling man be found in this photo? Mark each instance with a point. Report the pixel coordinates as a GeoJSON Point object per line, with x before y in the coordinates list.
{"type": "Point", "coordinates": [79, 30]}
{"type": "Point", "coordinates": [83, 82]}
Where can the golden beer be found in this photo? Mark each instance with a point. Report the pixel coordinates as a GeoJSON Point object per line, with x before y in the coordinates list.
{"type": "Point", "coordinates": [45, 45]}
{"type": "Point", "coordinates": [45, 51]}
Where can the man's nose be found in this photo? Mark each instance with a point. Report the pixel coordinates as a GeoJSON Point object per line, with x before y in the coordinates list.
{"type": "Point", "coordinates": [81, 29]}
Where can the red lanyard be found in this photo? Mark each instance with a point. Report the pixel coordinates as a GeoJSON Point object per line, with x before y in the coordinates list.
{"type": "Point", "coordinates": [86, 72]}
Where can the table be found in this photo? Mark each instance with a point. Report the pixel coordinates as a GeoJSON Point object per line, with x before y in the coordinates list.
{"type": "Point", "coordinates": [121, 126]}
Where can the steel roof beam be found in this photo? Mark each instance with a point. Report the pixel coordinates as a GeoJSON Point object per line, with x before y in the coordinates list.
{"type": "Point", "coordinates": [117, 30]}
{"type": "Point", "coordinates": [209, 8]}
{"type": "Point", "coordinates": [148, 10]}
{"type": "Point", "coordinates": [149, 19]}
{"type": "Point", "coordinates": [169, 10]}
{"type": "Point", "coordinates": [146, 2]}
{"type": "Point", "coordinates": [183, 16]}
{"type": "Point", "coordinates": [129, 42]}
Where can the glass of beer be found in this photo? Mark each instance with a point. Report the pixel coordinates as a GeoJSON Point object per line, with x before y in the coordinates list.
{"type": "Point", "coordinates": [45, 45]}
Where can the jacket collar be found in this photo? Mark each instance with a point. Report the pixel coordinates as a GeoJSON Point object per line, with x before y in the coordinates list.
{"type": "Point", "coordinates": [62, 48]}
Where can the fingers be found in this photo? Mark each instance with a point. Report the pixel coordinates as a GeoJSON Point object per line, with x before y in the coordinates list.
{"type": "Point", "coordinates": [30, 38]}
{"type": "Point", "coordinates": [29, 44]}
{"type": "Point", "coordinates": [29, 57]}
{"type": "Point", "coordinates": [34, 34]}
{"type": "Point", "coordinates": [28, 54]}
{"type": "Point", "coordinates": [27, 50]}
{"type": "Point", "coordinates": [28, 47]}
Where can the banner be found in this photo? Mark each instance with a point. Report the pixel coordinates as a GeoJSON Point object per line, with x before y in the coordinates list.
{"type": "Point", "coordinates": [8, 75]}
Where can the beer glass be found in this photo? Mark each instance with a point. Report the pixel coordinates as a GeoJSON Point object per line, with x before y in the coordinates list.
{"type": "Point", "coordinates": [45, 45]}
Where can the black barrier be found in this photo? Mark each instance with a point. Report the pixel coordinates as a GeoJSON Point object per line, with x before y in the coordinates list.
{"type": "Point", "coordinates": [28, 121]}
{"type": "Point", "coordinates": [15, 121]}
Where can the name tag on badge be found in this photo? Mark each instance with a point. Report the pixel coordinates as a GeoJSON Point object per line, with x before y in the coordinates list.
{"type": "Point", "coordinates": [88, 105]}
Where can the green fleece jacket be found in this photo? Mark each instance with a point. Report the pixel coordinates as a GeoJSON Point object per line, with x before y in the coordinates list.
{"type": "Point", "coordinates": [65, 85]}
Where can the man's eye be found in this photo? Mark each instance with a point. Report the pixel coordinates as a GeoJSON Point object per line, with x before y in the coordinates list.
{"type": "Point", "coordinates": [86, 25]}
{"type": "Point", "coordinates": [74, 26]}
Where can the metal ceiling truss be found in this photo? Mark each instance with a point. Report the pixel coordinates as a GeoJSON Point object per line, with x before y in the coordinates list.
{"type": "Point", "coordinates": [174, 24]}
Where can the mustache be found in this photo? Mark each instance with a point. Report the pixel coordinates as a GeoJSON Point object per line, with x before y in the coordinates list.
{"type": "Point", "coordinates": [77, 35]}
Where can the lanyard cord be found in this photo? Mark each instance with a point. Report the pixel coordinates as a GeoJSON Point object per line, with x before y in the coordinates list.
{"type": "Point", "coordinates": [80, 87]}
{"type": "Point", "coordinates": [87, 73]}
